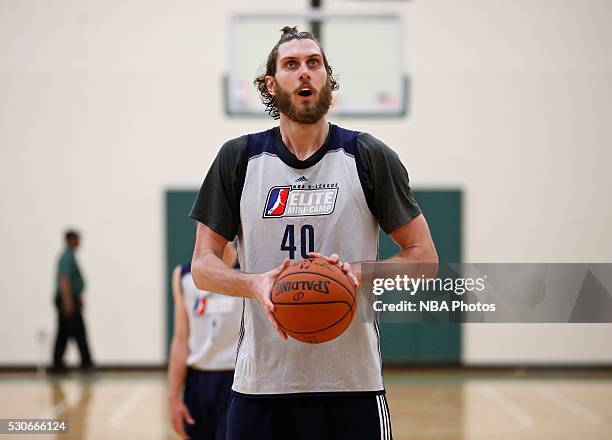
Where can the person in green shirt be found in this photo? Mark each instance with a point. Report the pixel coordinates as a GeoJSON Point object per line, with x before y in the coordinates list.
{"type": "Point", "coordinates": [68, 300]}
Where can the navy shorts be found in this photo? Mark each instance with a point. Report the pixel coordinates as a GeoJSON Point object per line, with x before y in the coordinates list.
{"type": "Point", "coordinates": [334, 417]}
{"type": "Point", "coordinates": [207, 396]}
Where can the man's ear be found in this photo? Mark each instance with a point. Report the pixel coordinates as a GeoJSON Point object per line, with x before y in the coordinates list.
{"type": "Point", "coordinates": [270, 84]}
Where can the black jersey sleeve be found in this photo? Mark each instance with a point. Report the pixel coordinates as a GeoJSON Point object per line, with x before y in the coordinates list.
{"type": "Point", "coordinates": [385, 183]}
{"type": "Point", "coordinates": [218, 202]}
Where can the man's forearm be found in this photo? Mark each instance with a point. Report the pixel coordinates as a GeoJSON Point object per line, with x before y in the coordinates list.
{"type": "Point", "coordinates": [177, 368]}
{"type": "Point", "coordinates": [212, 274]}
{"type": "Point", "coordinates": [418, 260]}
{"type": "Point", "coordinates": [65, 291]}
{"type": "Point", "coordinates": [425, 260]}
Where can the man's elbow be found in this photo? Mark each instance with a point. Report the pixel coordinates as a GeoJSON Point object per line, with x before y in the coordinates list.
{"type": "Point", "coordinates": [428, 261]}
{"type": "Point", "coordinates": [198, 273]}
{"type": "Point", "coordinates": [434, 262]}
{"type": "Point", "coordinates": [433, 269]}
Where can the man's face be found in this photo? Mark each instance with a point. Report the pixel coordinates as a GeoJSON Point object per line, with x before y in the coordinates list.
{"type": "Point", "coordinates": [74, 242]}
{"type": "Point", "coordinates": [300, 86]}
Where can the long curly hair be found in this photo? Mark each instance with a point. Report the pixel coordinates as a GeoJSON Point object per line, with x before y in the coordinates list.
{"type": "Point", "coordinates": [289, 33]}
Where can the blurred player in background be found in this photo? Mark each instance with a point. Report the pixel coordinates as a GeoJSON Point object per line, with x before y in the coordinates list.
{"type": "Point", "coordinates": [202, 355]}
{"type": "Point", "coordinates": [305, 186]}
{"type": "Point", "coordinates": [69, 304]}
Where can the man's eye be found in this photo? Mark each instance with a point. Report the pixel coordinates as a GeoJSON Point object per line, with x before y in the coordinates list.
{"type": "Point", "coordinates": [291, 64]}
{"type": "Point", "coordinates": [313, 62]}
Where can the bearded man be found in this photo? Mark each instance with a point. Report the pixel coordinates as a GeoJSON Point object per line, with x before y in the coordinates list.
{"type": "Point", "coordinates": [257, 190]}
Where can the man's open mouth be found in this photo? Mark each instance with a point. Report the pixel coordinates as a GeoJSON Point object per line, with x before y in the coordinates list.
{"type": "Point", "coordinates": [305, 92]}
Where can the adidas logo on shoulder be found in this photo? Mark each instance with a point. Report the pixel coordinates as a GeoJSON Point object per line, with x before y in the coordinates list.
{"type": "Point", "coordinates": [301, 179]}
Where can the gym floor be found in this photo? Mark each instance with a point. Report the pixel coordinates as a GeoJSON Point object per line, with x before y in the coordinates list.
{"type": "Point", "coordinates": [425, 404]}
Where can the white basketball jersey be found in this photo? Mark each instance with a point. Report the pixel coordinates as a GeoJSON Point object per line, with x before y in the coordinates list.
{"type": "Point", "coordinates": [214, 323]}
{"type": "Point", "coordinates": [281, 207]}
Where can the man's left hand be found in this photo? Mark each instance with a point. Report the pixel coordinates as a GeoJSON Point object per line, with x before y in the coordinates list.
{"type": "Point", "coordinates": [344, 266]}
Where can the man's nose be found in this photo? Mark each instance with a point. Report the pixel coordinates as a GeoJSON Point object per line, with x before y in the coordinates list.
{"type": "Point", "coordinates": [304, 73]}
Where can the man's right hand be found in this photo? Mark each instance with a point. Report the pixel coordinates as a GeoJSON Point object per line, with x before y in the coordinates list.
{"type": "Point", "coordinates": [262, 291]}
{"type": "Point", "coordinates": [68, 308]}
{"type": "Point", "coordinates": [178, 414]}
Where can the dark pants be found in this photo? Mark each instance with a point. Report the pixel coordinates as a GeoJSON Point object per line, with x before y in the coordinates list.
{"type": "Point", "coordinates": [334, 417]}
{"type": "Point", "coordinates": [207, 395]}
{"type": "Point", "coordinates": [70, 327]}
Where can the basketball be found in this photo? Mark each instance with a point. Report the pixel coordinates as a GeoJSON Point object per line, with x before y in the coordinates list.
{"type": "Point", "coordinates": [314, 301]}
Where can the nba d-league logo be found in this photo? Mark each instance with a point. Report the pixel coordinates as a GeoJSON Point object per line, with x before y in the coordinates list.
{"type": "Point", "coordinates": [284, 201]}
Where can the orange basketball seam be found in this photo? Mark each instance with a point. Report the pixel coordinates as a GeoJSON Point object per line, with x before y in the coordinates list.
{"type": "Point", "coordinates": [325, 276]}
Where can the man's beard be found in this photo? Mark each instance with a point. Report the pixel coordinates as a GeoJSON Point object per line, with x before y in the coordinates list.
{"type": "Point", "coordinates": [304, 113]}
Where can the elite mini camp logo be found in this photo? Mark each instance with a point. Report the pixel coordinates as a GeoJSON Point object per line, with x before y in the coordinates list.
{"type": "Point", "coordinates": [288, 201]}
{"type": "Point", "coordinates": [199, 307]}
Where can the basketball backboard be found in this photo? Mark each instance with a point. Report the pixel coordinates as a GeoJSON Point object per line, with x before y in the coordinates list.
{"type": "Point", "coordinates": [365, 51]}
